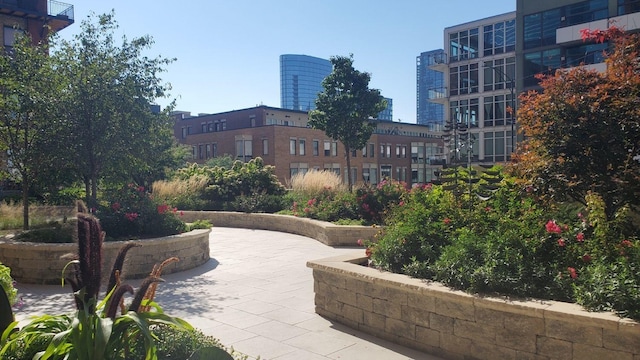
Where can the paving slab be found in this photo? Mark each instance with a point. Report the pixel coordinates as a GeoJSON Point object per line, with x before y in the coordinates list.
{"type": "Point", "coordinates": [255, 295]}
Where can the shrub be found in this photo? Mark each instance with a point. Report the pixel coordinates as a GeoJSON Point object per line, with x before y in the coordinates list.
{"type": "Point", "coordinates": [375, 202]}
{"type": "Point", "coordinates": [54, 233]}
{"type": "Point", "coordinates": [132, 212]}
{"type": "Point", "coordinates": [6, 281]}
{"type": "Point", "coordinates": [200, 224]}
{"type": "Point", "coordinates": [315, 182]}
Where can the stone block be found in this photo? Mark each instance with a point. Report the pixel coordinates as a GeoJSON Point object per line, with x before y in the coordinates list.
{"type": "Point", "coordinates": [587, 352]}
{"type": "Point", "coordinates": [460, 310]}
{"type": "Point", "coordinates": [387, 308]}
{"type": "Point", "coordinates": [573, 332]}
{"type": "Point", "coordinates": [554, 348]}
{"type": "Point", "coordinates": [364, 302]}
{"type": "Point", "coordinates": [517, 338]}
{"type": "Point", "coordinates": [476, 331]}
{"type": "Point", "coordinates": [352, 313]}
{"type": "Point", "coordinates": [375, 321]}
{"type": "Point", "coordinates": [421, 301]}
{"type": "Point", "coordinates": [626, 339]}
{"type": "Point", "coordinates": [415, 315]}
{"type": "Point", "coordinates": [523, 355]}
{"type": "Point", "coordinates": [428, 336]}
{"type": "Point", "coordinates": [400, 328]}
{"type": "Point", "coordinates": [443, 324]}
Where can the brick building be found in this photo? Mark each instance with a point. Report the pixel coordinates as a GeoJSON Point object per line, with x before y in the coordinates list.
{"type": "Point", "coordinates": [35, 17]}
{"type": "Point", "coordinates": [405, 152]}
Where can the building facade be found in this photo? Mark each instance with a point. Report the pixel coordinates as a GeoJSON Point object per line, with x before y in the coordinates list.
{"type": "Point", "coordinates": [301, 80]}
{"type": "Point", "coordinates": [480, 71]}
{"type": "Point", "coordinates": [281, 137]}
{"type": "Point", "coordinates": [36, 18]}
{"type": "Point", "coordinates": [430, 89]}
{"type": "Point", "coordinates": [549, 38]}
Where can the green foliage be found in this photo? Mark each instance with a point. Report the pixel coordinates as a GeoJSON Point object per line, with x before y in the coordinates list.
{"type": "Point", "coordinates": [132, 212]}
{"type": "Point", "coordinates": [376, 201]}
{"type": "Point", "coordinates": [248, 187]}
{"type": "Point", "coordinates": [346, 105]}
{"type": "Point", "coordinates": [7, 283]}
{"type": "Point", "coordinates": [225, 161]}
{"type": "Point", "coordinates": [327, 205]}
{"type": "Point", "coordinates": [200, 224]}
{"type": "Point", "coordinates": [55, 232]}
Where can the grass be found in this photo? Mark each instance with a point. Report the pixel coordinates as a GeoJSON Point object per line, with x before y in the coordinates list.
{"type": "Point", "coordinates": [315, 182]}
{"type": "Point", "coordinates": [11, 215]}
{"type": "Point", "coordinates": [175, 188]}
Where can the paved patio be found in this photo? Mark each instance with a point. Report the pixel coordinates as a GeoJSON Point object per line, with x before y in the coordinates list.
{"type": "Point", "coordinates": [256, 295]}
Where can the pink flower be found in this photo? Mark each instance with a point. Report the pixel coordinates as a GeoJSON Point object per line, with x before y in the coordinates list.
{"type": "Point", "coordinates": [131, 216]}
{"type": "Point", "coordinates": [181, 213]}
{"type": "Point", "coordinates": [446, 221]}
{"type": "Point", "coordinates": [163, 208]}
{"type": "Point", "coordinates": [580, 237]}
{"type": "Point", "coordinates": [626, 243]}
{"type": "Point", "coordinates": [360, 243]}
{"type": "Point", "coordinates": [572, 272]}
{"type": "Point", "coordinates": [401, 203]}
{"type": "Point", "coordinates": [561, 242]}
{"type": "Point", "coordinates": [552, 227]}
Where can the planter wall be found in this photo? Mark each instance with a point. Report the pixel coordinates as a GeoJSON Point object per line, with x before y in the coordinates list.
{"type": "Point", "coordinates": [37, 263]}
{"type": "Point", "coordinates": [325, 232]}
{"type": "Point", "coordinates": [455, 325]}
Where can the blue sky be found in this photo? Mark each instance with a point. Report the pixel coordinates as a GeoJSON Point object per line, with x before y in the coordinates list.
{"type": "Point", "coordinates": [228, 51]}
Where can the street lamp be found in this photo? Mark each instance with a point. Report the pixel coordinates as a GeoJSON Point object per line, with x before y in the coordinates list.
{"type": "Point", "coordinates": [513, 104]}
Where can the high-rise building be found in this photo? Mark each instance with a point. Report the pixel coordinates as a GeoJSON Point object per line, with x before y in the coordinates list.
{"type": "Point", "coordinates": [480, 76]}
{"type": "Point", "coordinates": [549, 38]}
{"type": "Point", "coordinates": [35, 17]}
{"type": "Point", "coordinates": [430, 88]}
{"type": "Point", "coordinates": [301, 80]}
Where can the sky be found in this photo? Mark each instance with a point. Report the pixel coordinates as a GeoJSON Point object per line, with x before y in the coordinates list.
{"type": "Point", "coordinates": [227, 52]}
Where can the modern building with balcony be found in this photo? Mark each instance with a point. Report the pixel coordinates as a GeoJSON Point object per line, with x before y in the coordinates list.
{"type": "Point", "coordinates": [431, 92]}
{"type": "Point", "coordinates": [406, 152]}
{"type": "Point", "coordinates": [35, 17]}
{"type": "Point", "coordinates": [548, 33]}
{"type": "Point", "coordinates": [480, 77]}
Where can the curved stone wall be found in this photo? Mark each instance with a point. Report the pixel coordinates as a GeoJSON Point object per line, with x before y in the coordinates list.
{"type": "Point", "coordinates": [37, 263]}
{"type": "Point", "coordinates": [325, 232]}
{"type": "Point", "coordinates": [455, 325]}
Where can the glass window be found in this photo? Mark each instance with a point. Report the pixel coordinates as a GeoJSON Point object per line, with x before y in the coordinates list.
{"type": "Point", "coordinates": [385, 171]}
{"type": "Point", "coordinates": [301, 147]}
{"type": "Point", "coordinates": [316, 147]}
{"type": "Point", "coordinates": [334, 149]}
{"type": "Point", "coordinates": [265, 146]}
{"type": "Point", "coordinates": [292, 146]}
{"type": "Point", "coordinates": [327, 148]}
{"type": "Point", "coordinates": [214, 146]}
{"type": "Point", "coordinates": [372, 150]}
{"type": "Point", "coordinates": [628, 6]}
{"type": "Point", "coordinates": [208, 151]}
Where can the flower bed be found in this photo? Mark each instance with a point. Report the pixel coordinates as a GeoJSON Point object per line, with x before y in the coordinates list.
{"type": "Point", "coordinates": [37, 263]}
{"type": "Point", "coordinates": [325, 232]}
{"type": "Point", "coordinates": [455, 325]}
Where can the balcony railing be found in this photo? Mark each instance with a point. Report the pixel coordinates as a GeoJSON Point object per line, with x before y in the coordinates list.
{"type": "Point", "coordinates": [60, 9]}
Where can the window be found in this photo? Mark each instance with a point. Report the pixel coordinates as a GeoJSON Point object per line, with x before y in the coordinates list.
{"type": "Point", "coordinates": [193, 152]}
{"type": "Point", "coordinates": [265, 146]}
{"type": "Point", "coordinates": [465, 112]}
{"type": "Point", "coordinates": [369, 174]}
{"type": "Point", "coordinates": [372, 150]}
{"type": "Point", "coordinates": [200, 152]}
{"type": "Point", "coordinates": [223, 124]}
{"type": "Point", "coordinates": [298, 168]}
{"type": "Point", "coordinates": [364, 151]}
{"type": "Point", "coordinates": [316, 147]}
{"type": "Point", "coordinates": [499, 38]}
{"type": "Point", "coordinates": [208, 151]}
{"type": "Point", "coordinates": [398, 151]}
{"type": "Point", "coordinates": [184, 132]}
{"type": "Point", "coordinates": [214, 147]}
{"type": "Point", "coordinates": [628, 6]}
{"type": "Point", "coordinates": [464, 45]}
{"type": "Point", "coordinates": [244, 149]}
{"type": "Point", "coordinates": [204, 127]}
{"type": "Point", "coordinates": [499, 73]}
{"type": "Point", "coordinates": [252, 119]}
{"type": "Point", "coordinates": [332, 167]}
{"type": "Point", "coordinates": [10, 35]}
{"type": "Point", "coordinates": [334, 148]}
{"type": "Point", "coordinates": [401, 174]}
{"type": "Point", "coordinates": [494, 146]}
{"type": "Point", "coordinates": [463, 79]}
{"type": "Point", "coordinates": [301, 147]}
{"type": "Point", "coordinates": [327, 148]}
{"type": "Point", "coordinates": [353, 173]}
{"type": "Point", "coordinates": [385, 150]}
{"type": "Point", "coordinates": [385, 171]}
{"type": "Point", "coordinates": [292, 146]}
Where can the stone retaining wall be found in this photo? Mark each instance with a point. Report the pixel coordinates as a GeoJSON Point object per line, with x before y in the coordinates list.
{"type": "Point", "coordinates": [325, 232]}
{"type": "Point", "coordinates": [37, 263]}
{"type": "Point", "coordinates": [455, 325]}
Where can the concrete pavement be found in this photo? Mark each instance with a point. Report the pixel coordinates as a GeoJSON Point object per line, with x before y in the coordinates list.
{"type": "Point", "coordinates": [255, 295]}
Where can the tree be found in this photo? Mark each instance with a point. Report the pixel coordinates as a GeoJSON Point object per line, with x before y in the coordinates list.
{"type": "Point", "coordinates": [583, 129]}
{"type": "Point", "coordinates": [344, 110]}
{"type": "Point", "coordinates": [29, 114]}
{"type": "Point", "coordinates": [109, 95]}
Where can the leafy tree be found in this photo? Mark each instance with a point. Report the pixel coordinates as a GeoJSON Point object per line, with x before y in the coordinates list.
{"type": "Point", "coordinates": [583, 129]}
{"type": "Point", "coordinates": [29, 117]}
{"type": "Point", "coordinates": [110, 91]}
{"type": "Point", "coordinates": [344, 110]}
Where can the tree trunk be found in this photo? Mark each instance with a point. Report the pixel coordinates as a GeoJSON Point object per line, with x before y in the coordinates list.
{"type": "Point", "coordinates": [347, 154]}
{"type": "Point", "coordinates": [87, 189]}
{"type": "Point", "coordinates": [25, 203]}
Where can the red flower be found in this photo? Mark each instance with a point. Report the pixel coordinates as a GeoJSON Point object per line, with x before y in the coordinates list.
{"type": "Point", "coordinates": [131, 216]}
{"type": "Point", "coordinates": [181, 213]}
{"type": "Point", "coordinates": [580, 237]}
{"type": "Point", "coordinates": [626, 243]}
{"type": "Point", "coordinates": [446, 221]}
{"type": "Point", "coordinates": [561, 242]}
{"type": "Point", "coordinates": [163, 208]}
{"type": "Point", "coordinates": [572, 272]}
{"type": "Point", "coordinates": [115, 206]}
{"type": "Point", "coordinates": [552, 227]}
{"type": "Point", "coordinates": [586, 258]}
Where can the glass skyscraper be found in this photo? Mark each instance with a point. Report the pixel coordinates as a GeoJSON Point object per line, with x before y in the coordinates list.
{"type": "Point", "coordinates": [430, 90]}
{"type": "Point", "coordinates": [301, 80]}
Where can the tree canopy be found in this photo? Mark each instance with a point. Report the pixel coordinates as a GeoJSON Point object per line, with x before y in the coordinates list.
{"type": "Point", "coordinates": [344, 110]}
{"type": "Point", "coordinates": [583, 129]}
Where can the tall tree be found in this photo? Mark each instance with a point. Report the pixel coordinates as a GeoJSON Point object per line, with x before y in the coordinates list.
{"type": "Point", "coordinates": [29, 113]}
{"type": "Point", "coordinates": [583, 129]}
{"type": "Point", "coordinates": [111, 88]}
{"type": "Point", "coordinates": [346, 107]}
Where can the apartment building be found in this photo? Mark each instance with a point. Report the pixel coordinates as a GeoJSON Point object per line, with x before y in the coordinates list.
{"type": "Point", "coordinates": [405, 152]}
{"type": "Point", "coordinates": [36, 17]}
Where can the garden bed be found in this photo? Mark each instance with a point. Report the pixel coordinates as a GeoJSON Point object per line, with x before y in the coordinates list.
{"type": "Point", "coordinates": [455, 325]}
{"type": "Point", "coordinates": [38, 263]}
{"type": "Point", "coordinates": [325, 232]}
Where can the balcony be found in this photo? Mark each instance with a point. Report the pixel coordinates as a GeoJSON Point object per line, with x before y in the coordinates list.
{"type": "Point", "coordinates": [438, 62]}
{"type": "Point", "coordinates": [57, 15]}
{"type": "Point", "coordinates": [437, 95]}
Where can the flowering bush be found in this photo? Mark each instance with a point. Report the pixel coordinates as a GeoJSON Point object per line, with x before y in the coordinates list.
{"type": "Point", "coordinates": [375, 202]}
{"type": "Point", "coordinates": [513, 245]}
{"type": "Point", "coordinates": [327, 205]}
{"type": "Point", "coordinates": [133, 212]}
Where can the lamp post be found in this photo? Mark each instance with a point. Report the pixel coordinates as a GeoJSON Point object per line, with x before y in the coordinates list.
{"type": "Point", "coordinates": [513, 104]}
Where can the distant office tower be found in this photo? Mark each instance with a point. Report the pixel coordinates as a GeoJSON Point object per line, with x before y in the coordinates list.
{"type": "Point", "coordinates": [430, 89]}
{"type": "Point", "coordinates": [301, 80]}
{"type": "Point", "coordinates": [387, 113]}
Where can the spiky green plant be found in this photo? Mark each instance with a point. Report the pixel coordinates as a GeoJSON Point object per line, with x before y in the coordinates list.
{"type": "Point", "coordinates": [95, 331]}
